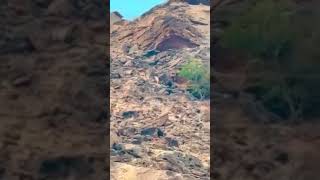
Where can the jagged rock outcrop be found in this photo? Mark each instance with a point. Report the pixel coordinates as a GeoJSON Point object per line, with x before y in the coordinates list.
{"type": "Point", "coordinates": [165, 33]}
{"type": "Point", "coordinates": [115, 17]}
{"type": "Point", "coordinates": [160, 29]}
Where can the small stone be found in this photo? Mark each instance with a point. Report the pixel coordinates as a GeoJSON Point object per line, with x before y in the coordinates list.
{"type": "Point", "coordinates": [113, 152]}
{"type": "Point", "coordinates": [115, 76]}
{"type": "Point", "coordinates": [172, 142]}
{"type": "Point", "coordinates": [129, 114]}
{"type": "Point", "coordinates": [138, 139]}
{"type": "Point", "coordinates": [122, 60]}
{"type": "Point", "coordinates": [128, 72]}
{"type": "Point", "coordinates": [127, 131]}
{"type": "Point", "coordinates": [169, 83]}
{"type": "Point", "coordinates": [117, 147]}
{"type": "Point", "coordinates": [153, 132]}
{"type": "Point", "coordinates": [151, 53]}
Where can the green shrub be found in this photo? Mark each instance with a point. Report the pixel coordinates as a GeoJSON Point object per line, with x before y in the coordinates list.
{"type": "Point", "coordinates": [199, 78]}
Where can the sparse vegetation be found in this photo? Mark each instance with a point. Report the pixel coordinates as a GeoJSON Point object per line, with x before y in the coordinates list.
{"type": "Point", "coordinates": [199, 78]}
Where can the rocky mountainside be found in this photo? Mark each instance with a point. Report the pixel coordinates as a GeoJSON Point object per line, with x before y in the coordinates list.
{"type": "Point", "coordinates": [157, 130]}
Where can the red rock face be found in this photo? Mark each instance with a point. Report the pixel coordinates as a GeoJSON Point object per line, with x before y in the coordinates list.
{"type": "Point", "coordinates": [167, 32]}
{"type": "Point", "coordinates": [160, 29]}
{"type": "Point", "coordinates": [175, 42]}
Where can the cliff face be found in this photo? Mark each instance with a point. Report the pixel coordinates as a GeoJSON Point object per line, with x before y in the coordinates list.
{"type": "Point", "coordinates": [52, 91]}
{"type": "Point", "coordinates": [157, 130]}
{"type": "Point", "coordinates": [160, 29]}
{"type": "Point", "coordinates": [164, 32]}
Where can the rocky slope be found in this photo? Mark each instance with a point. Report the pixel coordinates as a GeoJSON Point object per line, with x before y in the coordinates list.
{"type": "Point", "coordinates": [52, 90]}
{"type": "Point", "coordinates": [156, 129]}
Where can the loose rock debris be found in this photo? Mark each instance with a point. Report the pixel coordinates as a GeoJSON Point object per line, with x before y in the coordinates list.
{"type": "Point", "coordinates": [157, 130]}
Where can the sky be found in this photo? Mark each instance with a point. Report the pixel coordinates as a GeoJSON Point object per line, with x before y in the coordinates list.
{"type": "Point", "coordinates": [131, 9]}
